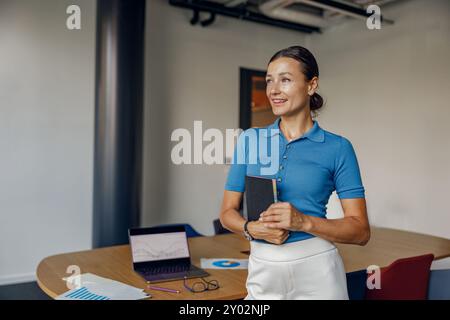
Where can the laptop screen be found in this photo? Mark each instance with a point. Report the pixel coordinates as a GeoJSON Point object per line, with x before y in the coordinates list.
{"type": "Point", "coordinates": [159, 246]}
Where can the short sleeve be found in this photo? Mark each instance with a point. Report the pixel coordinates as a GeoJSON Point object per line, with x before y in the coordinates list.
{"type": "Point", "coordinates": [347, 177]}
{"type": "Point", "coordinates": [238, 168]}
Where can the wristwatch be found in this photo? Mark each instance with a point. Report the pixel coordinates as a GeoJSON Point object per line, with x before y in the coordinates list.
{"type": "Point", "coordinates": [247, 234]}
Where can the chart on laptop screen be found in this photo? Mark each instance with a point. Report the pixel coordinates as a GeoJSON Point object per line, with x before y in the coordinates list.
{"type": "Point", "coordinates": [153, 247]}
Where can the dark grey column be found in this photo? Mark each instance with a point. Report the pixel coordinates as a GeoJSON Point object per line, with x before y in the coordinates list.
{"type": "Point", "coordinates": [118, 119]}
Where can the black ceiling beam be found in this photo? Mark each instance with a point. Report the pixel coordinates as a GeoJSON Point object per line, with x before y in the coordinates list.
{"type": "Point", "coordinates": [343, 7]}
{"type": "Point", "coordinates": [240, 13]}
{"type": "Point", "coordinates": [208, 21]}
{"type": "Point", "coordinates": [347, 8]}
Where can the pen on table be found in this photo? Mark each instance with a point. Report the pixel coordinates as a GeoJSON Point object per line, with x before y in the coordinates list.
{"type": "Point", "coordinates": [163, 289]}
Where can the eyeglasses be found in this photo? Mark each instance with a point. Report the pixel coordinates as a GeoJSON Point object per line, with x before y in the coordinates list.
{"type": "Point", "coordinates": [202, 286]}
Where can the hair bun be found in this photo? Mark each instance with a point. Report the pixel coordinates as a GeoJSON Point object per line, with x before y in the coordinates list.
{"type": "Point", "coordinates": [316, 102]}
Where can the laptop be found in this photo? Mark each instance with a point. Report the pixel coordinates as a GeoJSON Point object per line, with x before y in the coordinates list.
{"type": "Point", "coordinates": [162, 254]}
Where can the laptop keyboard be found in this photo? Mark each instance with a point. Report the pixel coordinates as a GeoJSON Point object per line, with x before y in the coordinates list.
{"type": "Point", "coordinates": [166, 269]}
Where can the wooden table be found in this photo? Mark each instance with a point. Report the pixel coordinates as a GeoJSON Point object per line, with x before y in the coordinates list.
{"type": "Point", "coordinates": [385, 246]}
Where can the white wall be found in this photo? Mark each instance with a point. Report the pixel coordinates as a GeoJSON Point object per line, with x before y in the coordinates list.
{"type": "Point", "coordinates": [388, 91]}
{"type": "Point", "coordinates": [46, 133]}
{"type": "Point", "coordinates": [192, 73]}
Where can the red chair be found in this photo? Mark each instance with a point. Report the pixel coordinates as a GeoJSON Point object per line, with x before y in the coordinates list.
{"type": "Point", "coordinates": [404, 279]}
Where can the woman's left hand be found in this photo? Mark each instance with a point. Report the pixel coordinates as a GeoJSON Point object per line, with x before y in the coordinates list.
{"type": "Point", "coordinates": [283, 215]}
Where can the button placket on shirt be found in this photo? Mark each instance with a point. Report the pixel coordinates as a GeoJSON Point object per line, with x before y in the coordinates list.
{"type": "Point", "coordinates": [282, 169]}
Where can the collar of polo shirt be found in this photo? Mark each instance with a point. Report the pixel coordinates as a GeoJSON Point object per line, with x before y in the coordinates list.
{"type": "Point", "coordinates": [315, 134]}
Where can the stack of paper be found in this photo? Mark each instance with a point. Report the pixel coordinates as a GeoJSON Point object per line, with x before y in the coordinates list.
{"type": "Point", "coordinates": [88, 286]}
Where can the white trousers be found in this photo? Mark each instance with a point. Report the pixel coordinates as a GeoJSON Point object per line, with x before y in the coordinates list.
{"type": "Point", "coordinates": [307, 269]}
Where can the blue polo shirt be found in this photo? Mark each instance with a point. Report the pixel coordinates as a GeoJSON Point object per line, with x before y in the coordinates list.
{"type": "Point", "coordinates": [309, 168]}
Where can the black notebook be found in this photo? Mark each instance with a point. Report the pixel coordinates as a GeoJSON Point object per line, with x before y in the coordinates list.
{"type": "Point", "coordinates": [260, 193]}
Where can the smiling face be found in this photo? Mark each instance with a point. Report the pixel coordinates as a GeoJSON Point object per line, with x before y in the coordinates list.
{"type": "Point", "coordinates": [287, 89]}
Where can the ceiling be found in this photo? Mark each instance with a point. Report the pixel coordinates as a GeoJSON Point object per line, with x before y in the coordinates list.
{"type": "Point", "coordinates": [302, 15]}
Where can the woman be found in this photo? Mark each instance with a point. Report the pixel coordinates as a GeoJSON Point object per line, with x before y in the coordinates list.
{"type": "Point", "coordinates": [292, 251]}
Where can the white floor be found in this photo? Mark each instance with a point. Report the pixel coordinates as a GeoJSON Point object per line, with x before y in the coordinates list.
{"type": "Point", "coordinates": [441, 264]}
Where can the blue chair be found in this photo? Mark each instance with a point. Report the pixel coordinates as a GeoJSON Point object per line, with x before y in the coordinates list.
{"type": "Point", "coordinates": [356, 284]}
{"type": "Point", "coordinates": [439, 285]}
{"type": "Point", "coordinates": [218, 227]}
{"type": "Point", "coordinates": [190, 231]}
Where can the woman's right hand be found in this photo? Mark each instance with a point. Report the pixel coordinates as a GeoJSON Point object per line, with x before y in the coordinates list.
{"type": "Point", "coordinates": [258, 231]}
